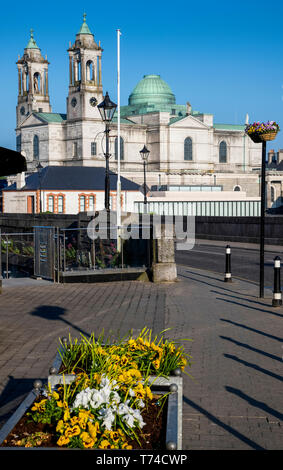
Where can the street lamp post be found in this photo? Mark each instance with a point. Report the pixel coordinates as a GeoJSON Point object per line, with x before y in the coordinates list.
{"type": "Point", "coordinates": [262, 220]}
{"type": "Point", "coordinates": [107, 109]}
{"type": "Point", "coordinates": [39, 168]}
{"type": "Point", "coordinates": [144, 155]}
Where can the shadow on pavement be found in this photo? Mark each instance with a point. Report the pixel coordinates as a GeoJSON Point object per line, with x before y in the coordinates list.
{"type": "Point", "coordinates": [252, 329]}
{"type": "Point", "coordinates": [250, 348]}
{"type": "Point", "coordinates": [254, 366]}
{"type": "Point", "coordinates": [255, 403]}
{"type": "Point", "coordinates": [53, 312]}
{"type": "Point", "coordinates": [13, 394]}
{"type": "Point", "coordinates": [226, 427]}
{"type": "Point", "coordinates": [249, 306]}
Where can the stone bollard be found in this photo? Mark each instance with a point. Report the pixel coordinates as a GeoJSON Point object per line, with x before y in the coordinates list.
{"type": "Point", "coordinates": [164, 266]}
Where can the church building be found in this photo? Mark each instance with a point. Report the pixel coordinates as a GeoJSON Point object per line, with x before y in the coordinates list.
{"type": "Point", "coordinates": [189, 151]}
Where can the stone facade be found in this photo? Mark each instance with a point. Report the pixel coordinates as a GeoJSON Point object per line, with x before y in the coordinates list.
{"type": "Point", "coordinates": [186, 146]}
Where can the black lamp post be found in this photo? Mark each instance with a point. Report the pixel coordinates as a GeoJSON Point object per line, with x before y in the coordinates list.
{"type": "Point", "coordinates": [107, 109]}
{"type": "Point", "coordinates": [144, 154]}
{"type": "Point", "coordinates": [39, 168]}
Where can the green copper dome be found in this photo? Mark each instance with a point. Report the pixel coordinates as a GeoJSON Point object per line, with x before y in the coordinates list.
{"type": "Point", "coordinates": [32, 44]}
{"type": "Point", "coordinates": [151, 90]}
{"type": "Point", "coordinates": [84, 27]}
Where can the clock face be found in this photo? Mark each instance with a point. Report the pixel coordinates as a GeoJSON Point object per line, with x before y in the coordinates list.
{"type": "Point", "coordinates": [93, 101]}
{"type": "Point", "coordinates": [22, 110]}
{"type": "Point", "coordinates": [74, 102]}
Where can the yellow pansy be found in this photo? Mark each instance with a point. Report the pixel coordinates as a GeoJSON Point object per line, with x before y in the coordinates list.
{"type": "Point", "coordinates": [88, 441]}
{"type": "Point", "coordinates": [60, 426]}
{"type": "Point", "coordinates": [72, 431]}
{"type": "Point", "coordinates": [63, 440]}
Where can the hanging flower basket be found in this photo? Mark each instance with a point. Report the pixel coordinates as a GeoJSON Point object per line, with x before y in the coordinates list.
{"type": "Point", "coordinates": [263, 131]}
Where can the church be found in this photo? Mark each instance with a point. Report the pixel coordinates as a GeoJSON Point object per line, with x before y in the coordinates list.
{"type": "Point", "coordinates": [189, 152]}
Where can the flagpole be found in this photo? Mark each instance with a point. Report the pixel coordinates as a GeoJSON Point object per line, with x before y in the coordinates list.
{"type": "Point", "coordinates": [118, 144]}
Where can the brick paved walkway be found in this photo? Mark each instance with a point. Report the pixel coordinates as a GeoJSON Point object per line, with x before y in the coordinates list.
{"type": "Point", "coordinates": [235, 400]}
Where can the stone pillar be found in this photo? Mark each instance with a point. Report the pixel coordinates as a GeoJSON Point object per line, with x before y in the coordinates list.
{"type": "Point", "coordinates": [164, 266]}
{"type": "Point", "coordinates": [99, 59]}
{"type": "Point", "coordinates": [71, 70]}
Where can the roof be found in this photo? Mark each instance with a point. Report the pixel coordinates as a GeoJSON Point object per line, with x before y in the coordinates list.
{"type": "Point", "coordinates": [229, 127]}
{"type": "Point", "coordinates": [84, 29]}
{"type": "Point", "coordinates": [76, 178]}
{"type": "Point", "coordinates": [152, 90]}
{"type": "Point", "coordinates": [32, 44]}
{"type": "Point", "coordinates": [52, 117]}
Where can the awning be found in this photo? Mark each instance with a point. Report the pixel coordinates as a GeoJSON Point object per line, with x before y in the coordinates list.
{"type": "Point", "coordinates": [11, 162]}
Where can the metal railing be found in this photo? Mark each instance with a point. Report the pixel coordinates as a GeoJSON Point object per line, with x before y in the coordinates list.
{"type": "Point", "coordinates": [16, 254]}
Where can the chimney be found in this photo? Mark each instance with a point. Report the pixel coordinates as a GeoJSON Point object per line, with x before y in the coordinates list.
{"type": "Point", "coordinates": [20, 180]}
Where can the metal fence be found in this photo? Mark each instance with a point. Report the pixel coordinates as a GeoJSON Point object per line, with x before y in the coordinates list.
{"type": "Point", "coordinates": [47, 251]}
{"type": "Point", "coordinates": [16, 254]}
{"type": "Point", "coordinates": [77, 251]}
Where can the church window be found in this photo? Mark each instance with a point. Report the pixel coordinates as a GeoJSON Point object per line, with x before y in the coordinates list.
{"type": "Point", "coordinates": [188, 149]}
{"type": "Point", "coordinates": [75, 149]}
{"type": "Point", "coordinates": [89, 70]}
{"type": "Point", "coordinates": [93, 148]}
{"type": "Point", "coordinates": [18, 143]}
{"type": "Point", "coordinates": [36, 147]}
{"type": "Point", "coordinates": [223, 152]}
{"type": "Point", "coordinates": [173, 112]}
{"type": "Point", "coordinates": [272, 194]}
{"type": "Point", "coordinates": [121, 148]}
{"type": "Point", "coordinates": [36, 82]}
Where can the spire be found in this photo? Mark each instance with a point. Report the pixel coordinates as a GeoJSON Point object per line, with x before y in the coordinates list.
{"type": "Point", "coordinates": [84, 27]}
{"type": "Point", "coordinates": [32, 44]}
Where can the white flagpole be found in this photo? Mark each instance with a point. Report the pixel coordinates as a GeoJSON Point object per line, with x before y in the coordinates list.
{"type": "Point", "coordinates": [118, 143]}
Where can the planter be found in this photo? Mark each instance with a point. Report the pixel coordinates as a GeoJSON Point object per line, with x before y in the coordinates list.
{"type": "Point", "coordinates": [173, 386]}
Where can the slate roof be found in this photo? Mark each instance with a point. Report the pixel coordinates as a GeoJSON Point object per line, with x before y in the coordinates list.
{"type": "Point", "coordinates": [76, 178]}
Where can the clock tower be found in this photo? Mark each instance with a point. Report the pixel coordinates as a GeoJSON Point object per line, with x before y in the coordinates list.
{"type": "Point", "coordinates": [85, 84]}
{"type": "Point", "coordinates": [33, 95]}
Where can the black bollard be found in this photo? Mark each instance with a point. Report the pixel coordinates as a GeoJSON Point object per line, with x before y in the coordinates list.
{"type": "Point", "coordinates": [277, 297]}
{"type": "Point", "coordinates": [228, 275]}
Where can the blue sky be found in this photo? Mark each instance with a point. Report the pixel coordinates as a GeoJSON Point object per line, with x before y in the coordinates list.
{"type": "Point", "coordinates": [224, 57]}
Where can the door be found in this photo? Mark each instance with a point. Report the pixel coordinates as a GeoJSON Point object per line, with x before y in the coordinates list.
{"type": "Point", "coordinates": [30, 204]}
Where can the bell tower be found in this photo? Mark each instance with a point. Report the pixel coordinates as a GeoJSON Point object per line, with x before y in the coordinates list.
{"type": "Point", "coordinates": [33, 92]}
{"type": "Point", "coordinates": [85, 81]}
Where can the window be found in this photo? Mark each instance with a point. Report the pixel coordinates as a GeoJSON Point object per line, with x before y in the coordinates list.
{"type": "Point", "coordinates": [61, 204]}
{"type": "Point", "coordinates": [36, 147]}
{"type": "Point", "coordinates": [91, 203]}
{"type": "Point", "coordinates": [223, 152]}
{"type": "Point", "coordinates": [18, 143]}
{"type": "Point", "coordinates": [82, 204]}
{"type": "Point", "coordinates": [237, 188]}
{"type": "Point", "coordinates": [51, 203]}
{"type": "Point", "coordinates": [75, 149]}
{"type": "Point", "coordinates": [93, 148]}
{"type": "Point", "coordinates": [121, 148]}
{"type": "Point", "coordinates": [188, 149]}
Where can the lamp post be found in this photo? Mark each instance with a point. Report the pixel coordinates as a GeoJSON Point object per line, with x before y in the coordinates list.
{"type": "Point", "coordinates": [144, 155]}
{"type": "Point", "coordinates": [39, 168]}
{"type": "Point", "coordinates": [107, 109]}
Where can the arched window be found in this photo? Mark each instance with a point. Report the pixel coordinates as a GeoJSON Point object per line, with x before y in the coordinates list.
{"type": "Point", "coordinates": [36, 147]}
{"type": "Point", "coordinates": [237, 188]}
{"type": "Point", "coordinates": [89, 70]}
{"type": "Point", "coordinates": [121, 148]}
{"type": "Point", "coordinates": [51, 203]}
{"type": "Point", "coordinates": [223, 152]}
{"type": "Point", "coordinates": [60, 204]}
{"type": "Point", "coordinates": [188, 149]}
{"type": "Point", "coordinates": [272, 194]}
{"type": "Point", "coordinates": [36, 82]}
